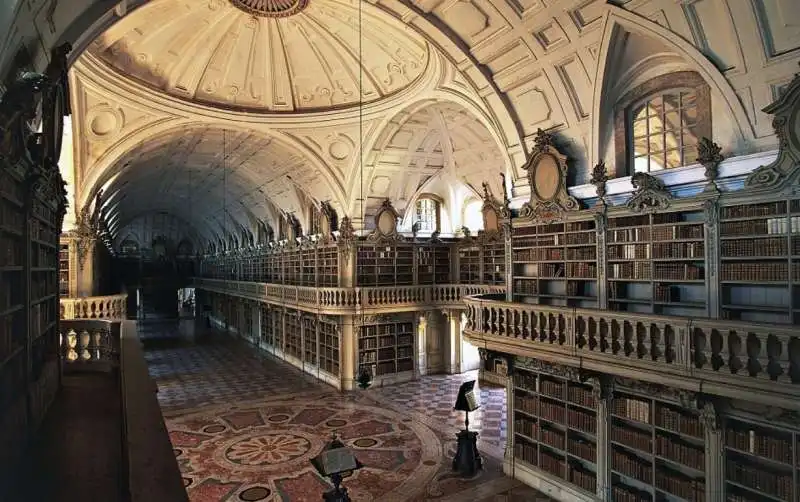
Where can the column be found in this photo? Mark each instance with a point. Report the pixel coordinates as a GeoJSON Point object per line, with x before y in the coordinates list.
{"type": "Point", "coordinates": [347, 352]}
{"type": "Point", "coordinates": [715, 453]}
{"type": "Point", "coordinates": [422, 345]}
{"type": "Point", "coordinates": [85, 271]}
{"type": "Point", "coordinates": [454, 324]}
{"type": "Point", "coordinates": [508, 456]}
{"type": "Point", "coordinates": [603, 395]}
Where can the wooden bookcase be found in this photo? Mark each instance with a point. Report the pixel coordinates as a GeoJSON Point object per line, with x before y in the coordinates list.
{"type": "Point", "coordinates": [656, 450]}
{"type": "Point", "coordinates": [555, 427]}
{"type": "Point", "coordinates": [761, 462]}
{"type": "Point", "coordinates": [384, 265]}
{"type": "Point", "coordinates": [556, 263]}
{"type": "Point", "coordinates": [328, 266]}
{"type": "Point", "coordinates": [760, 253]}
{"type": "Point", "coordinates": [292, 334]}
{"type": "Point", "coordinates": [310, 342]}
{"type": "Point", "coordinates": [63, 269]}
{"type": "Point", "coordinates": [656, 263]}
{"type": "Point", "coordinates": [386, 347]}
{"type": "Point", "coordinates": [493, 264]}
{"type": "Point", "coordinates": [469, 264]}
{"type": "Point", "coordinates": [433, 264]}
{"type": "Point", "coordinates": [268, 326]}
{"type": "Point", "coordinates": [329, 345]}
{"type": "Point", "coordinates": [308, 272]}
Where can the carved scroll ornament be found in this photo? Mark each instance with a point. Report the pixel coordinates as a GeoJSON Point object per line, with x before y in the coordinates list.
{"type": "Point", "coordinates": [547, 177]}
{"type": "Point", "coordinates": [385, 224]}
{"type": "Point", "coordinates": [649, 194]}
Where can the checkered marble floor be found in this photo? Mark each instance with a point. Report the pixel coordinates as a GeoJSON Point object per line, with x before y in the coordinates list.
{"type": "Point", "coordinates": [222, 398]}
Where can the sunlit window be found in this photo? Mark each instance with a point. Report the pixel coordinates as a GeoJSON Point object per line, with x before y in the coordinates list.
{"type": "Point", "coordinates": [427, 215]}
{"type": "Point", "coordinates": [473, 217]}
{"type": "Point", "coordinates": [663, 131]}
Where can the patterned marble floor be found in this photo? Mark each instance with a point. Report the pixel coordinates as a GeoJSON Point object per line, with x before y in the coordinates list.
{"type": "Point", "coordinates": [244, 427]}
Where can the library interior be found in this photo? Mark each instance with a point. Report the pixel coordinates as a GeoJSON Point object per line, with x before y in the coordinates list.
{"type": "Point", "coordinates": [400, 250]}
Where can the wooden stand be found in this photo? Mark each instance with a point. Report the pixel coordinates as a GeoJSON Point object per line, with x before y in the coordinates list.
{"type": "Point", "coordinates": [467, 460]}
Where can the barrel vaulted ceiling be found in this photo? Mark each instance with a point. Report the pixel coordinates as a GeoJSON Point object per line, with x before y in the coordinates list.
{"type": "Point", "coordinates": [452, 89]}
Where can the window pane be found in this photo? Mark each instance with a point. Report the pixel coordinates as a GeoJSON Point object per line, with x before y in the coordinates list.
{"type": "Point", "coordinates": [656, 124]}
{"type": "Point", "coordinates": [690, 137]}
{"type": "Point", "coordinates": [427, 210]}
{"type": "Point", "coordinates": [689, 155]}
{"type": "Point", "coordinates": [640, 146]}
{"type": "Point", "coordinates": [639, 113]}
{"type": "Point", "coordinates": [672, 121]}
{"type": "Point", "coordinates": [656, 143]}
{"type": "Point", "coordinates": [640, 164]}
{"type": "Point", "coordinates": [640, 128]}
{"type": "Point", "coordinates": [688, 99]}
{"type": "Point", "coordinates": [657, 162]}
{"type": "Point", "coordinates": [673, 159]}
{"type": "Point", "coordinates": [690, 115]}
{"type": "Point", "coordinates": [671, 102]}
{"type": "Point", "coordinates": [656, 106]}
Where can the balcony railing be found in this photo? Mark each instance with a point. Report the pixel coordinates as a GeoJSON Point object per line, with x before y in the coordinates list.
{"type": "Point", "coordinates": [112, 307]}
{"type": "Point", "coordinates": [721, 356]}
{"type": "Point", "coordinates": [148, 462]}
{"type": "Point", "coordinates": [345, 301]}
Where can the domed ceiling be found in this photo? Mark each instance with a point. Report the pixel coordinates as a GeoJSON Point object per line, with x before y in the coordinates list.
{"type": "Point", "coordinates": [265, 55]}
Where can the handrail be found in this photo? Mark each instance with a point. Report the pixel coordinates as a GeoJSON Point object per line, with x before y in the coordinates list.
{"type": "Point", "coordinates": [712, 353]}
{"type": "Point", "coordinates": [350, 300]}
{"type": "Point", "coordinates": [113, 307]}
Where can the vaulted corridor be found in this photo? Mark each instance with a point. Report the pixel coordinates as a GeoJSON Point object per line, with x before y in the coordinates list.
{"type": "Point", "coordinates": [244, 427]}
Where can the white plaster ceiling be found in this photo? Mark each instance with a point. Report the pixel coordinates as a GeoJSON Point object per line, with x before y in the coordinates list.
{"type": "Point", "coordinates": [515, 65]}
{"type": "Point", "coordinates": [212, 52]}
{"type": "Point", "coordinates": [210, 178]}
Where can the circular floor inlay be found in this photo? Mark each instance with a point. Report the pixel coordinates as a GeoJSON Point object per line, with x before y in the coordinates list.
{"type": "Point", "coordinates": [365, 442]}
{"type": "Point", "coordinates": [187, 482]}
{"type": "Point", "coordinates": [177, 452]}
{"type": "Point", "coordinates": [255, 493]}
{"type": "Point", "coordinates": [268, 449]}
{"type": "Point", "coordinates": [336, 422]}
{"type": "Point", "coordinates": [278, 418]}
{"type": "Point", "coordinates": [213, 429]}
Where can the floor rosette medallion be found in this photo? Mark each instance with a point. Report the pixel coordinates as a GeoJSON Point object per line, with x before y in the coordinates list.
{"type": "Point", "coordinates": [271, 8]}
{"type": "Point", "coordinates": [400, 458]}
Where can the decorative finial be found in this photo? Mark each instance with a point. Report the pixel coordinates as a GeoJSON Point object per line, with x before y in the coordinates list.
{"type": "Point", "coordinates": [599, 179]}
{"type": "Point", "coordinates": [710, 156]}
{"type": "Point", "coordinates": [543, 141]}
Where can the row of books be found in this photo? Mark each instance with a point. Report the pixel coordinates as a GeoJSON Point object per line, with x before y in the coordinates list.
{"type": "Point", "coordinates": [632, 466]}
{"type": "Point", "coordinates": [690, 489]}
{"type": "Point", "coordinates": [772, 483]}
{"type": "Point", "coordinates": [752, 210]}
{"type": "Point", "coordinates": [777, 447]}
{"type": "Point", "coordinates": [681, 452]}
{"type": "Point", "coordinates": [758, 271]}
{"type": "Point", "coordinates": [769, 226]}
{"type": "Point", "coordinates": [582, 420]}
{"type": "Point", "coordinates": [678, 232]}
{"type": "Point", "coordinates": [10, 252]}
{"type": "Point", "coordinates": [772, 246]}
{"type": "Point", "coordinates": [582, 448]}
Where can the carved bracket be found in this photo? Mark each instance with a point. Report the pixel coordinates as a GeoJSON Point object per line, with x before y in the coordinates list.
{"type": "Point", "coordinates": [547, 177]}
{"type": "Point", "coordinates": [649, 194]}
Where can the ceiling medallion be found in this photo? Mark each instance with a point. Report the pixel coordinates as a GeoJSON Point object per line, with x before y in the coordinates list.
{"type": "Point", "coordinates": [271, 8]}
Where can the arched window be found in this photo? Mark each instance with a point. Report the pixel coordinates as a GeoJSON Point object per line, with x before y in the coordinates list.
{"type": "Point", "coordinates": [129, 247]}
{"type": "Point", "coordinates": [427, 215]}
{"type": "Point", "coordinates": [660, 123]}
{"type": "Point", "coordinates": [473, 216]}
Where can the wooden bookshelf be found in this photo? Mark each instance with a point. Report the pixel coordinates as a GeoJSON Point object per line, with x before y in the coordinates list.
{"type": "Point", "coordinates": [656, 263]}
{"type": "Point", "coordinates": [556, 263]}
{"type": "Point", "coordinates": [384, 265]}
{"type": "Point", "coordinates": [292, 334]}
{"type": "Point", "coordinates": [63, 269]}
{"type": "Point", "coordinates": [555, 427]}
{"type": "Point", "coordinates": [469, 264]}
{"type": "Point", "coordinates": [656, 449]}
{"type": "Point", "coordinates": [267, 326]}
{"type": "Point", "coordinates": [761, 462]}
{"type": "Point", "coordinates": [386, 347]}
{"type": "Point", "coordinates": [329, 345]}
{"type": "Point", "coordinates": [309, 339]}
{"type": "Point", "coordinates": [760, 260]}
{"type": "Point", "coordinates": [328, 266]}
{"type": "Point", "coordinates": [433, 264]}
{"type": "Point", "coordinates": [308, 271]}
{"type": "Point", "coordinates": [493, 264]}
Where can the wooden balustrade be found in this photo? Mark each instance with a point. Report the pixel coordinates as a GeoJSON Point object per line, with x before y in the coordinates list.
{"type": "Point", "coordinates": [345, 301]}
{"type": "Point", "coordinates": [113, 307]}
{"type": "Point", "coordinates": [719, 355]}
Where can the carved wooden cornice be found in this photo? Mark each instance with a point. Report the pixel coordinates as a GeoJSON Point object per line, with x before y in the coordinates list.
{"type": "Point", "coordinates": [385, 230]}
{"type": "Point", "coordinates": [547, 177]}
{"type": "Point", "coordinates": [649, 194]}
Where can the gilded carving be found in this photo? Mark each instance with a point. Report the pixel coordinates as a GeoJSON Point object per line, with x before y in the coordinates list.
{"type": "Point", "coordinates": [599, 179]}
{"type": "Point", "coordinates": [347, 238]}
{"type": "Point", "coordinates": [547, 177]}
{"type": "Point", "coordinates": [649, 194]}
{"type": "Point", "coordinates": [711, 208]}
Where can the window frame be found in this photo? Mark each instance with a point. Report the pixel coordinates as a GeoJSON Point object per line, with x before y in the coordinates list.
{"type": "Point", "coordinates": [663, 84]}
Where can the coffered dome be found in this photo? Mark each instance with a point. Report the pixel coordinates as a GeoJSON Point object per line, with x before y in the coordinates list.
{"type": "Point", "coordinates": [276, 55]}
